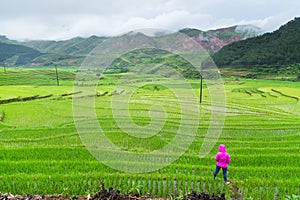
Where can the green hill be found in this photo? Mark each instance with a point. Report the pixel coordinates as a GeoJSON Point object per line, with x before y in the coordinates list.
{"type": "Point", "coordinates": [17, 54]}
{"type": "Point", "coordinates": [154, 60]}
{"type": "Point", "coordinates": [77, 46]}
{"type": "Point", "coordinates": [47, 52]}
{"type": "Point", "coordinates": [66, 52]}
{"type": "Point", "coordinates": [279, 48]}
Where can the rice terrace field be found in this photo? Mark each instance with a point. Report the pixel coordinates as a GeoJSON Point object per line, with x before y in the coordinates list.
{"type": "Point", "coordinates": [42, 153]}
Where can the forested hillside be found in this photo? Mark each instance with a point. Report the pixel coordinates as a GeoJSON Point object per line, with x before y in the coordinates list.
{"type": "Point", "coordinates": [281, 47]}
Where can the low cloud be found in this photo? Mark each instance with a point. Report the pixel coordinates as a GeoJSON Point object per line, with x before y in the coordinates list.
{"type": "Point", "coordinates": [56, 19]}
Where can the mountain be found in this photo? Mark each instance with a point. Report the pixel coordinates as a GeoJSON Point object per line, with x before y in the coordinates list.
{"type": "Point", "coordinates": [154, 58]}
{"type": "Point", "coordinates": [214, 40]}
{"type": "Point", "coordinates": [281, 47]}
{"type": "Point", "coordinates": [73, 51]}
{"type": "Point", "coordinates": [271, 55]}
{"type": "Point", "coordinates": [77, 46]}
{"type": "Point", "coordinates": [4, 39]}
{"type": "Point", "coordinates": [65, 52]}
{"type": "Point", "coordinates": [13, 54]}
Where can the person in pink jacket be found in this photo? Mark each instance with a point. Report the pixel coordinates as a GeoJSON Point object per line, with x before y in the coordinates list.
{"type": "Point", "coordinates": [223, 159]}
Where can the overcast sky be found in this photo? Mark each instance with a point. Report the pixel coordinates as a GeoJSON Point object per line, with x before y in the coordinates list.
{"type": "Point", "coordinates": [64, 19]}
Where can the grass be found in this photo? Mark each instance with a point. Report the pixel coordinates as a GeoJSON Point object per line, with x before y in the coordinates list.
{"type": "Point", "coordinates": [41, 151]}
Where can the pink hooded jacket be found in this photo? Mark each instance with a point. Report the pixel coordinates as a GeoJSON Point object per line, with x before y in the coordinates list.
{"type": "Point", "coordinates": [222, 157]}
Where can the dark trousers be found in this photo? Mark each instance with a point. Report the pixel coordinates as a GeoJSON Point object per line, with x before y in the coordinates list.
{"type": "Point", "coordinates": [224, 170]}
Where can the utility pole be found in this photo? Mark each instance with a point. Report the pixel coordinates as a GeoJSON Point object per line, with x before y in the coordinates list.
{"type": "Point", "coordinates": [4, 67]}
{"type": "Point", "coordinates": [201, 84]}
{"type": "Point", "coordinates": [57, 80]}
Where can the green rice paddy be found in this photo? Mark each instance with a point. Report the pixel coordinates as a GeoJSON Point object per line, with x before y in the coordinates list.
{"type": "Point", "coordinates": [41, 151]}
